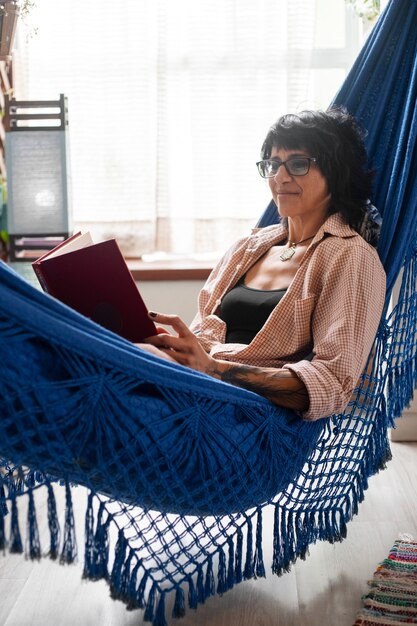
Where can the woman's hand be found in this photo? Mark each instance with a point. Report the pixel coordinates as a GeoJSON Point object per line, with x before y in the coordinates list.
{"type": "Point", "coordinates": [183, 347]}
{"type": "Point", "coordinates": [281, 386]}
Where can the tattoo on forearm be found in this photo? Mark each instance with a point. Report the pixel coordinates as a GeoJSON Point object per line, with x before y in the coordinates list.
{"type": "Point", "coordinates": [280, 386]}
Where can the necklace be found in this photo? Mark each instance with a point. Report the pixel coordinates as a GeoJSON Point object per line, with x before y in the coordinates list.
{"type": "Point", "coordinates": [288, 253]}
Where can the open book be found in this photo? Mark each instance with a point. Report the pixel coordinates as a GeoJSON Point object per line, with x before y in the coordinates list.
{"type": "Point", "coordinates": [94, 280]}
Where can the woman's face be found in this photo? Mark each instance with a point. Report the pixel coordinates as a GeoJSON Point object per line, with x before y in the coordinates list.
{"type": "Point", "coordinates": [299, 196]}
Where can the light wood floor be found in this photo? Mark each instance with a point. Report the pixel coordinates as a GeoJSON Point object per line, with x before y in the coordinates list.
{"type": "Point", "coordinates": [324, 590]}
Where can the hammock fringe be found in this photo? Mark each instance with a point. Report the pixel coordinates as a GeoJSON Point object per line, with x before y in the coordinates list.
{"type": "Point", "coordinates": [209, 585]}
{"type": "Point", "coordinates": [34, 548]}
{"type": "Point", "coordinates": [69, 546]}
{"type": "Point", "coordinates": [125, 578]}
{"type": "Point", "coordinates": [192, 593]}
{"type": "Point", "coordinates": [2, 528]}
{"type": "Point", "coordinates": [132, 593]}
{"type": "Point", "coordinates": [115, 580]}
{"type": "Point", "coordinates": [159, 619]}
{"type": "Point", "coordinates": [150, 604]}
{"type": "Point", "coordinates": [239, 557]}
{"type": "Point", "coordinates": [179, 604]}
{"type": "Point", "coordinates": [248, 571]}
{"type": "Point", "coordinates": [140, 596]}
{"type": "Point", "coordinates": [16, 545]}
{"type": "Point", "coordinates": [221, 574]}
{"type": "Point", "coordinates": [88, 571]}
{"type": "Point", "coordinates": [200, 584]}
{"type": "Point", "coordinates": [231, 564]}
{"type": "Point", "coordinates": [53, 524]}
{"type": "Point", "coordinates": [402, 374]}
{"type": "Point", "coordinates": [258, 565]}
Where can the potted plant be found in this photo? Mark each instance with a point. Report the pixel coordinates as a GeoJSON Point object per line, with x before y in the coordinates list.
{"type": "Point", "coordinates": [366, 9]}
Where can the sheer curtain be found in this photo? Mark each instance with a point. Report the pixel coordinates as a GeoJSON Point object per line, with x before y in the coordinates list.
{"type": "Point", "coordinates": [169, 102]}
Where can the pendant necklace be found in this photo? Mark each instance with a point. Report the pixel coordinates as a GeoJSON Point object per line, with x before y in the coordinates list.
{"type": "Point", "coordinates": [288, 253]}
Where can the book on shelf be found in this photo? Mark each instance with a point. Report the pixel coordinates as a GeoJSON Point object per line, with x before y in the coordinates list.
{"type": "Point", "coordinates": [93, 278]}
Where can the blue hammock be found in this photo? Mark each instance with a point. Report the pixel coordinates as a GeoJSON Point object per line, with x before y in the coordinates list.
{"type": "Point", "coordinates": [179, 467]}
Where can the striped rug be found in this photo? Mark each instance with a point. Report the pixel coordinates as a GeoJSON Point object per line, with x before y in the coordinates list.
{"type": "Point", "coordinates": [392, 596]}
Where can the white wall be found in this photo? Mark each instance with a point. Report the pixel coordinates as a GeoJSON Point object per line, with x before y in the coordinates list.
{"type": "Point", "coordinates": [172, 296]}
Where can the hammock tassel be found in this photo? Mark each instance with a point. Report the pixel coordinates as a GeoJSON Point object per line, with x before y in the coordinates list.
{"type": "Point", "coordinates": [239, 557]}
{"type": "Point", "coordinates": [192, 594]}
{"type": "Point", "coordinates": [3, 512]}
{"type": "Point", "coordinates": [354, 503]}
{"type": "Point", "coordinates": [88, 571]}
{"type": "Point", "coordinates": [330, 529]}
{"type": "Point", "coordinates": [179, 604]}
{"type": "Point", "coordinates": [159, 619]}
{"type": "Point", "coordinates": [150, 605]}
{"type": "Point", "coordinates": [69, 547]}
{"type": "Point", "coordinates": [276, 553]}
{"type": "Point", "coordinates": [209, 587]}
{"type": "Point", "coordinates": [248, 572]}
{"type": "Point", "coordinates": [284, 552]}
{"type": "Point", "coordinates": [343, 527]}
{"type": "Point", "coordinates": [16, 545]}
{"type": "Point", "coordinates": [200, 585]}
{"type": "Point", "coordinates": [101, 547]}
{"type": "Point", "coordinates": [33, 530]}
{"type": "Point", "coordinates": [140, 594]}
{"type": "Point", "coordinates": [125, 578]}
{"type": "Point", "coordinates": [230, 569]}
{"type": "Point", "coordinates": [53, 524]}
{"type": "Point", "coordinates": [259, 566]}
{"type": "Point", "coordinates": [312, 528]}
{"type": "Point", "coordinates": [221, 575]}
{"type": "Point", "coordinates": [302, 529]}
{"type": "Point", "coordinates": [339, 528]}
{"type": "Point", "coordinates": [116, 573]}
{"type": "Point", "coordinates": [291, 553]}
{"type": "Point", "coordinates": [132, 595]}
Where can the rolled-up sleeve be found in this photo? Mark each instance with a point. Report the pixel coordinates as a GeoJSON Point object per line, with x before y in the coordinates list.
{"type": "Point", "coordinates": [343, 326]}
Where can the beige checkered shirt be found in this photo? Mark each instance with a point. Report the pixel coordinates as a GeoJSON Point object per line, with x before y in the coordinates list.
{"type": "Point", "coordinates": [332, 308]}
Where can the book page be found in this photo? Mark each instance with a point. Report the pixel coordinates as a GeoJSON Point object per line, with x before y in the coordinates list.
{"type": "Point", "coordinates": [82, 241]}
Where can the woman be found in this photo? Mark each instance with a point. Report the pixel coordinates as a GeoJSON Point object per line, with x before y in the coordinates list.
{"type": "Point", "coordinates": [291, 311]}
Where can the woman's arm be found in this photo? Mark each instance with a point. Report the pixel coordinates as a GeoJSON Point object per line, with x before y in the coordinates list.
{"type": "Point", "coordinates": [281, 386]}
{"type": "Point", "coordinates": [344, 324]}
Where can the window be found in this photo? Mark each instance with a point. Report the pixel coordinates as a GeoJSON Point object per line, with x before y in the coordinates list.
{"type": "Point", "coordinates": [169, 102]}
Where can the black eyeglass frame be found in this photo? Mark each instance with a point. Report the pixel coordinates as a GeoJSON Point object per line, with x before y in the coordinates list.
{"type": "Point", "coordinates": [309, 160]}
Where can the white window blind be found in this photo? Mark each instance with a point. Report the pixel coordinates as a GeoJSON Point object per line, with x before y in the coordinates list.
{"type": "Point", "coordinates": [170, 100]}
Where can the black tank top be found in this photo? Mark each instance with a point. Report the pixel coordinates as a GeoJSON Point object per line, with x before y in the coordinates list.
{"type": "Point", "coordinates": [245, 310]}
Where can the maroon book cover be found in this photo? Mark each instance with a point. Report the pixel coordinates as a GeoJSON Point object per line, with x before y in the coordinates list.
{"type": "Point", "coordinates": [96, 282]}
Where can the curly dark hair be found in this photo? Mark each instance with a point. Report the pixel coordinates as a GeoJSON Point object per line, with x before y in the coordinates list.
{"type": "Point", "coordinates": [336, 139]}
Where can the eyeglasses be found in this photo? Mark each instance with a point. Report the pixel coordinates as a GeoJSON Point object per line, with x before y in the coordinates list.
{"type": "Point", "coordinates": [295, 166]}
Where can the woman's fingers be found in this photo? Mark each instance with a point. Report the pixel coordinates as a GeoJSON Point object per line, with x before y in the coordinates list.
{"type": "Point", "coordinates": [161, 330]}
{"type": "Point", "coordinates": [171, 320]}
{"type": "Point", "coordinates": [183, 347]}
{"type": "Point", "coordinates": [164, 340]}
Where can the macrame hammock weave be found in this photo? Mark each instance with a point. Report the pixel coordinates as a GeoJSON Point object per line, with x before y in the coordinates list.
{"type": "Point", "coordinates": [179, 467]}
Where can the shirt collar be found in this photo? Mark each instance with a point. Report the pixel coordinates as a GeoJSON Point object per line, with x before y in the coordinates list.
{"type": "Point", "coordinates": [335, 225]}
